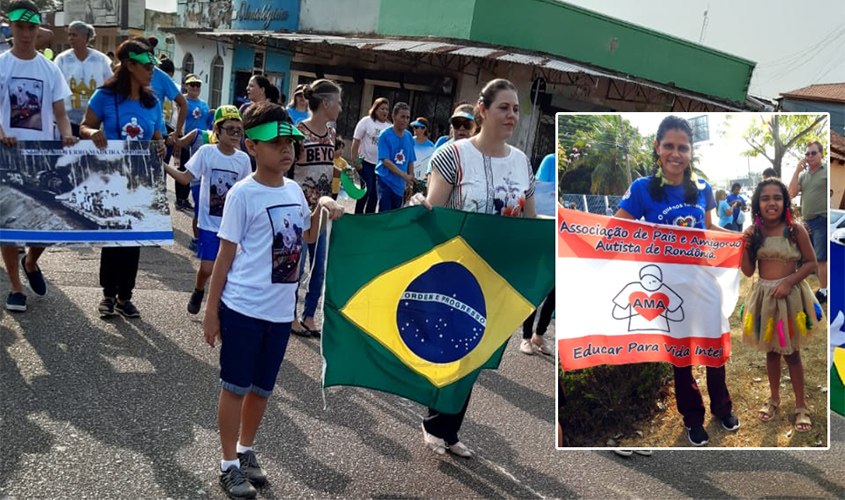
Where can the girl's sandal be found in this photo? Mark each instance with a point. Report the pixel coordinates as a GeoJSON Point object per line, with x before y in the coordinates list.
{"type": "Point", "coordinates": [802, 417]}
{"type": "Point", "coordinates": [769, 410]}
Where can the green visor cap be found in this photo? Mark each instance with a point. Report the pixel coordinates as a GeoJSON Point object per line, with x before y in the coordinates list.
{"type": "Point", "coordinates": [268, 131]}
{"type": "Point", "coordinates": [143, 58]}
{"type": "Point", "coordinates": [25, 15]}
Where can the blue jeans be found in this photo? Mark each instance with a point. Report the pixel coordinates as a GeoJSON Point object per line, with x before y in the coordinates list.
{"type": "Point", "coordinates": [367, 204]}
{"type": "Point", "coordinates": [818, 226]}
{"type": "Point", "coordinates": [387, 199]}
{"type": "Point", "coordinates": [318, 275]}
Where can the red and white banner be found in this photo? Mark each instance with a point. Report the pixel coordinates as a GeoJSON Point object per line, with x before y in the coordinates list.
{"type": "Point", "coordinates": [634, 292]}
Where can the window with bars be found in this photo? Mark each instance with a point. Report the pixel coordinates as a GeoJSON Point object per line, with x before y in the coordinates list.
{"type": "Point", "coordinates": [187, 64]}
{"type": "Point", "coordinates": [216, 82]}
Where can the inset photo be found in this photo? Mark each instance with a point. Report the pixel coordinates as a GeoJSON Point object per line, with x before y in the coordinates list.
{"type": "Point", "coordinates": [692, 262]}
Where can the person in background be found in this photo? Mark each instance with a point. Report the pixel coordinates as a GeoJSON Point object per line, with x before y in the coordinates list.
{"type": "Point", "coordinates": [462, 125]}
{"type": "Point", "coordinates": [395, 169]}
{"type": "Point", "coordinates": [259, 89]}
{"type": "Point", "coordinates": [200, 119]}
{"type": "Point", "coordinates": [423, 147]}
{"type": "Point", "coordinates": [737, 204]}
{"type": "Point", "coordinates": [340, 165]}
{"type": "Point", "coordinates": [19, 68]}
{"type": "Point", "coordinates": [85, 70]}
{"type": "Point", "coordinates": [810, 179]}
{"type": "Point", "coordinates": [548, 169]}
{"type": "Point", "coordinates": [724, 210]}
{"type": "Point", "coordinates": [365, 151]}
{"type": "Point", "coordinates": [298, 105]}
{"type": "Point", "coordinates": [769, 173]}
{"type": "Point", "coordinates": [535, 341]}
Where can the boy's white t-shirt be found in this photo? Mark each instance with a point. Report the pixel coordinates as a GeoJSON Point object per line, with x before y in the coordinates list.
{"type": "Point", "coordinates": [83, 77]}
{"type": "Point", "coordinates": [28, 89]}
{"type": "Point", "coordinates": [217, 174]}
{"type": "Point", "coordinates": [267, 225]}
{"type": "Point", "coordinates": [367, 131]}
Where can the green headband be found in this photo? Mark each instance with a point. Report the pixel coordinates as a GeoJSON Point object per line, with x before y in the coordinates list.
{"type": "Point", "coordinates": [143, 58]}
{"type": "Point", "coordinates": [269, 131]}
{"type": "Point", "coordinates": [25, 15]}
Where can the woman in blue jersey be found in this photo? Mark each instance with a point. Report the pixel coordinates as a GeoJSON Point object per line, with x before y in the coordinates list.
{"type": "Point", "coordinates": [674, 196]}
{"type": "Point", "coordinates": [124, 108]}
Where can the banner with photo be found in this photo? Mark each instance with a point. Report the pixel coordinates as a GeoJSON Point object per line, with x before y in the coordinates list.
{"type": "Point", "coordinates": [81, 195]}
{"type": "Point", "coordinates": [642, 292]}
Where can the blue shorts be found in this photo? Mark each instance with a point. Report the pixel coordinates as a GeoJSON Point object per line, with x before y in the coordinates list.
{"type": "Point", "coordinates": [195, 194]}
{"type": "Point", "coordinates": [251, 353]}
{"type": "Point", "coordinates": [818, 226]}
{"type": "Point", "coordinates": [208, 244]}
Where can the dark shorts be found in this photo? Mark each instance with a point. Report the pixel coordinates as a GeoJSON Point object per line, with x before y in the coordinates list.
{"type": "Point", "coordinates": [195, 194]}
{"type": "Point", "coordinates": [818, 235]}
{"type": "Point", "coordinates": [251, 353]}
{"type": "Point", "coordinates": [208, 244]}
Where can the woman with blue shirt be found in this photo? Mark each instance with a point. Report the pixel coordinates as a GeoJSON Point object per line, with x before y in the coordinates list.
{"type": "Point", "coordinates": [674, 196]}
{"type": "Point", "coordinates": [124, 109]}
{"type": "Point", "coordinates": [723, 209]}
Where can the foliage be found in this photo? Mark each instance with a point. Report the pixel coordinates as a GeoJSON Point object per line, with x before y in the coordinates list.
{"type": "Point", "coordinates": [776, 136]}
{"type": "Point", "coordinates": [605, 400]}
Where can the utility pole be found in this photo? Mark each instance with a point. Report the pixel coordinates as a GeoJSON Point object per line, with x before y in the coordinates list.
{"type": "Point", "coordinates": [703, 25]}
{"type": "Point", "coordinates": [625, 149]}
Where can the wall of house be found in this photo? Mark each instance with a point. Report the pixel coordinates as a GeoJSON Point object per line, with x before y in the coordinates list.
{"type": "Point", "coordinates": [360, 16]}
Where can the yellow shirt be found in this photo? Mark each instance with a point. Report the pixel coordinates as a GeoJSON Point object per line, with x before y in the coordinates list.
{"type": "Point", "coordinates": [339, 166]}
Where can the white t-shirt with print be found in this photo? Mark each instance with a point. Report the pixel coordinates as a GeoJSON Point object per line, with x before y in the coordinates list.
{"type": "Point", "coordinates": [367, 131]}
{"type": "Point", "coordinates": [217, 174]}
{"type": "Point", "coordinates": [83, 78]}
{"type": "Point", "coordinates": [483, 183]}
{"type": "Point", "coordinates": [28, 89]}
{"type": "Point", "coordinates": [267, 225]}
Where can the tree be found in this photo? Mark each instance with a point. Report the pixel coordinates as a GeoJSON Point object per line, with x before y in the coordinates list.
{"type": "Point", "coordinates": [776, 136]}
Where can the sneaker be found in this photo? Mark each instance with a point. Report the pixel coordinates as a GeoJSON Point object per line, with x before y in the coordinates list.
{"type": "Point", "coordinates": [526, 347]}
{"type": "Point", "coordinates": [235, 483]}
{"type": "Point", "coordinates": [107, 307]}
{"type": "Point", "coordinates": [697, 435]}
{"type": "Point", "coordinates": [434, 444]}
{"type": "Point", "coordinates": [546, 348]}
{"type": "Point", "coordinates": [623, 453]}
{"type": "Point", "coordinates": [249, 466]}
{"type": "Point", "coordinates": [127, 309]}
{"type": "Point", "coordinates": [730, 422]}
{"type": "Point", "coordinates": [461, 450]}
{"type": "Point", "coordinates": [184, 205]}
{"type": "Point", "coordinates": [35, 279]}
{"type": "Point", "coordinates": [196, 301]}
{"type": "Point", "coordinates": [192, 246]}
{"type": "Point", "coordinates": [821, 297]}
{"type": "Point", "coordinates": [16, 301]}
{"type": "Point", "coordinates": [645, 453]}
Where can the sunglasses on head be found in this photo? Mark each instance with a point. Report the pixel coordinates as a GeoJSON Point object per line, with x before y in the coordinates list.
{"type": "Point", "coordinates": [464, 124]}
{"type": "Point", "coordinates": [811, 153]}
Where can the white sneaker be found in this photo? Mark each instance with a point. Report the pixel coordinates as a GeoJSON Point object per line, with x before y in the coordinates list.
{"type": "Point", "coordinates": [434, 443]}
{"type": "Point", "coordinates": [546, 348]}
{"type": "Point", "coordinates": [526, 347]}
{"type": "Point", "coordinates": [623, 453]}
{"type": "Point", "coordinates": [645, 453]}
{"type": "Point", "coordinates": [461, 450]}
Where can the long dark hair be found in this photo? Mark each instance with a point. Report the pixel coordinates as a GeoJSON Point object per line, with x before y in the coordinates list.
{"type": "Point", "coordinates": [120, 83]}
{"type": "Point", "coordinates": [271, 92]}
{"type": "Point", "coordinates": [787, 216]}
{"type": "Point", "coordinates": [655, 185]}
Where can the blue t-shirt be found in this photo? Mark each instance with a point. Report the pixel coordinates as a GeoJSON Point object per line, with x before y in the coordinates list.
{"type": "Point", "coordinates": [297, 116]}
{"type": "Point", "coordinates": [547, 170]}
{"type": "Point", "coordinates": [399, 150]}
{"type": "Point", "coordinates": [163, 86]}
{"type": "Point", "coordinates": [731, 199]}
{"type": "Point", "coordinates": [441, 141]}
{"type": "Point", "coordinates": [126, 119]}
{"type": "Point", "coordinates": [724, 219]}
{"type": "Point", "coordinates": [673, 211]}
{"type": "Point", "coordinates": [199, 116]}
{"type": "Point", "coordinates": [423, 153]}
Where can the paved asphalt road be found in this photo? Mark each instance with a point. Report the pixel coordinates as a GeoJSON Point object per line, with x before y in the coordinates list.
{"type": "Point", "coordinates": [127, 409]}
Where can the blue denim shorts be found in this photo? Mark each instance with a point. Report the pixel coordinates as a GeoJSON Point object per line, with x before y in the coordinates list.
{"type": "Point", "coordinates": [208, 245]}
{"type": "Point", "coordinates": [251, 353]}
{"type": "Point", "coordinates": [818, 226]}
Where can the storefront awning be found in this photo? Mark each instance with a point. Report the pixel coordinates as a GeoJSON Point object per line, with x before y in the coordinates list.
{"type": "Point", "coordinates": [623, 85]}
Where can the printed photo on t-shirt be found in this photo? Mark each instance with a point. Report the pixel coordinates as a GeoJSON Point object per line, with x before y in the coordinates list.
{"type": "Point", "coordinates": [315, 187]}
{"type": "Point", "coordinates": [220, 183]}
{"type": "Point", "coordinates": [26, 96]}
{"type": "Point", "coordinates": [286, 221]}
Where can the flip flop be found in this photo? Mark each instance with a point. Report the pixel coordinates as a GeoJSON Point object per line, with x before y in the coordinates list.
{"type": "Point", "coordinates": [301, 333]}
{"type": "Point", "coordinates": [768, 410]}
{"type": "Point", "coordinates": [802, 416]}
{"type": "Point", "coordinates": [316, 333]}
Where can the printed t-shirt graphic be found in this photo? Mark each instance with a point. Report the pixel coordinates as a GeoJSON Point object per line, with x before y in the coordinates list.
{"type": "Point", "coordinates": [367, 131]}
{"type": "Point", "coordinates": [286, 223]}
{"type": "Point", "coordinates": [399, 150]}
{"type": "Point", "coordinates": [217, 174]}
{"type": "Point", "coordinates": [84, 78]}
{"type": "Point", "coordinates": [648, 304]}
{"type": "Point", "coordinates": [315, 166]}
{"type": "Point", "coordinates": [674, 211]}
{"type": "Point", "coordinates": [28, 89]}
{"type": "Point", "coordinates": [126, 119]}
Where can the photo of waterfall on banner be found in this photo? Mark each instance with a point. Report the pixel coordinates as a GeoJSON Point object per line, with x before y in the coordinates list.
{"type": "Point", "coordinates": [692, 272]}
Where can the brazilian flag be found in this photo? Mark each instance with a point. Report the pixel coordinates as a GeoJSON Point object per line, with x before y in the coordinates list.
{"type": "Point", "coordinates": [418, 302]}
{"type": "Point", "coordinates": [837, 381]}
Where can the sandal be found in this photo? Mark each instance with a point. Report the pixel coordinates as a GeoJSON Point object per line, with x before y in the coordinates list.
{"type": "Point", "coordinates": [802, 417]}
{"type": "Point", "coordinates": [302, 332]}
{"type": "Point", "coordinates": [768, 410]}
{"type": "Point", "coordinates": [311, 332]}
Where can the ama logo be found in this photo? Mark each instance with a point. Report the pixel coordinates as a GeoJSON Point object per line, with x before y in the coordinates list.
{"type": "Point", "coordinates": [442, 315]}
{"type": "Point", "coordinates": [648, 304]}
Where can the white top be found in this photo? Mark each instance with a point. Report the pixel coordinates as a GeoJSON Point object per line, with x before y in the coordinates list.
{"type": "Point", "coordinates": [217, 174]}
{"type": "Point", "coordinates": [83, 77]}
{"type": "Point", "coordinates": [267, 225]}
{"type": "Point", "coordinates": [28, 90]}
{"type": "Point", "coordinates": [367, 131]}
{"type": "Point", "coordinates": [483, 183]}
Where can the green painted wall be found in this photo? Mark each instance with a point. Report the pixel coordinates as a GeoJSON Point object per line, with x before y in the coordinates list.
{"type": "Point", "coordinates": [576, 34]}
{"type": "Point", "coordinates": [440, 18]}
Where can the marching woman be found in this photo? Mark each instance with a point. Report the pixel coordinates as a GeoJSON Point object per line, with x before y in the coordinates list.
{"type": "Point", "coordinates": [673, 195]}
{"type": "Point", "coordinates": [481, 174]}
{"type": "Point", "coordinates": [124, 108]}
{"type": "Point", "coordinates": [365, 151]}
